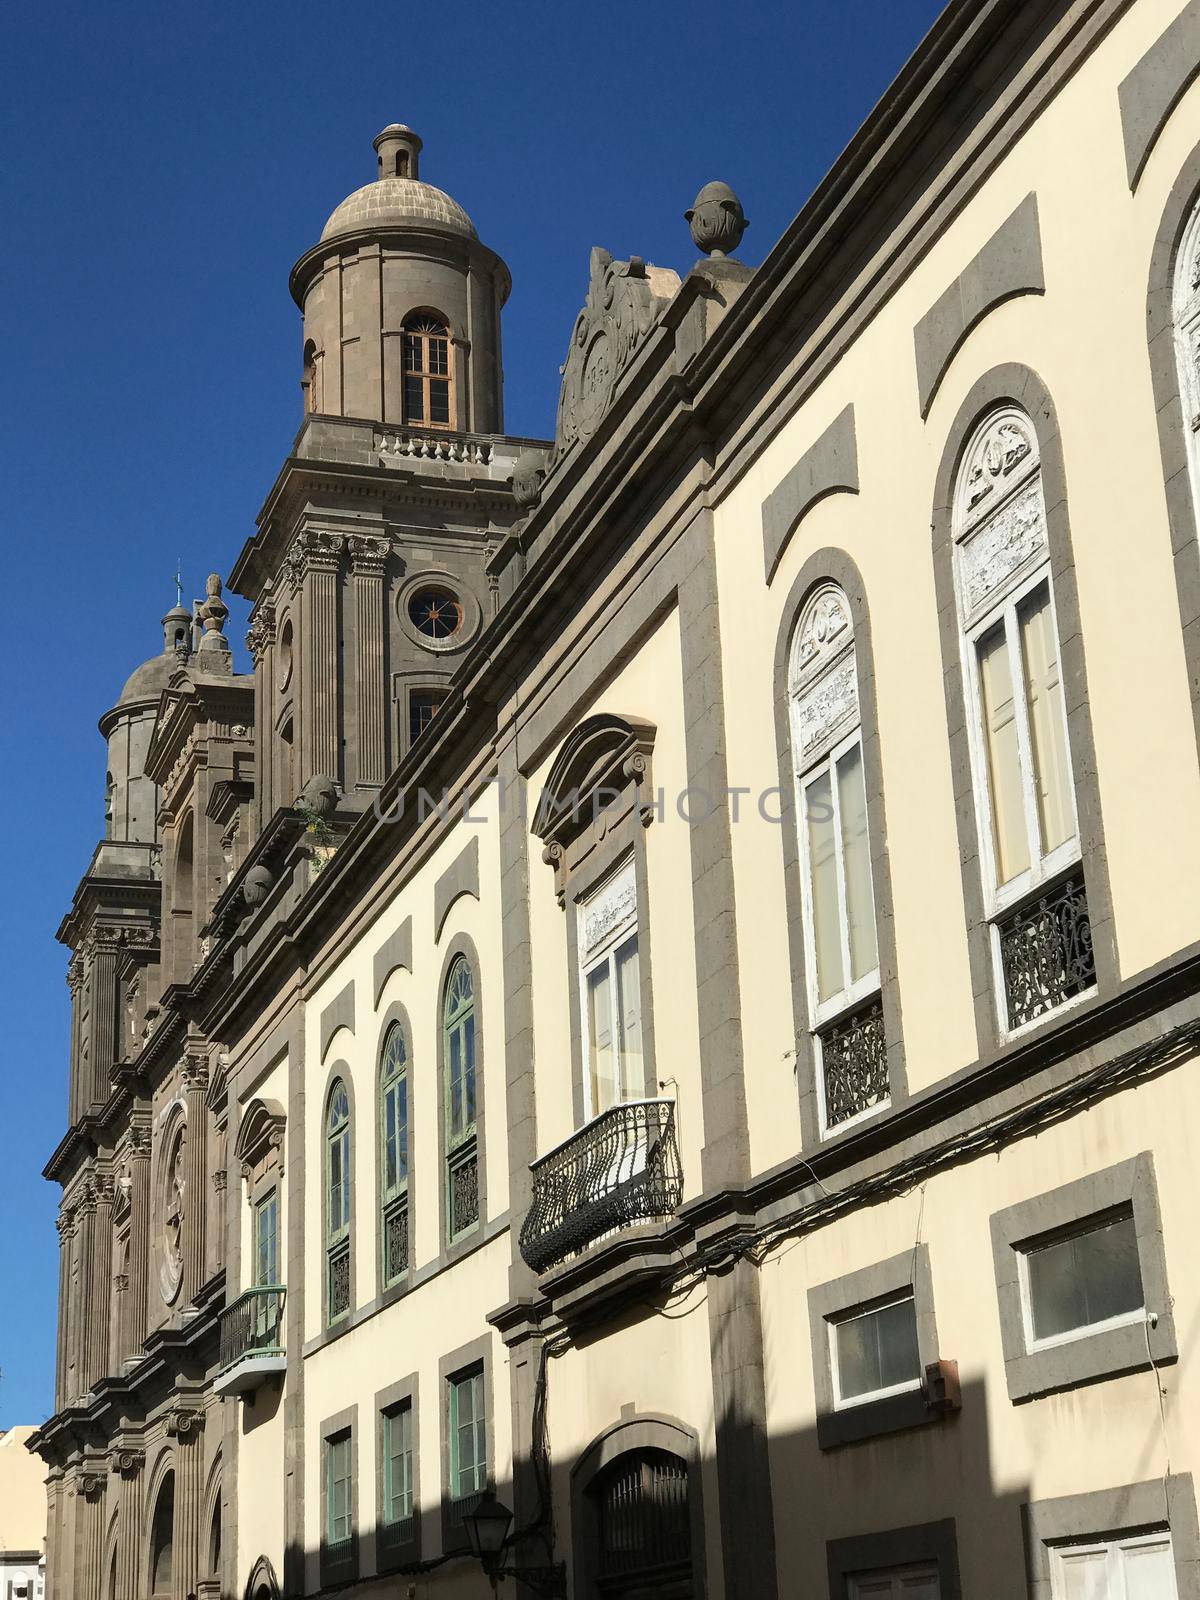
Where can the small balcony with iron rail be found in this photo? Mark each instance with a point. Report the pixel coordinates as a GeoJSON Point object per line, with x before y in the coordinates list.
{"type": "Point", "coordinates": [252, 1347]}
{"type": "Point", "coordinates": [620, 1168]}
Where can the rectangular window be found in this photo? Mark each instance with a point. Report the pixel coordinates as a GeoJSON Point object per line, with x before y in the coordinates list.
{"type": "Point", "coordinates": [398, 1465]}
{"type": "Point", "coordinates": [423, 706]}
{"type": "Point", "coordinates": [874, 1352]}
{"type": "Point", "coordinates": [908, 1583]}
{"type": "Point", "coordinates": [1082, 1282]}
{"type": "Point", "coordinates": [266, 1240]}
{"type": "Point", "coordinates": [611, 992]}
{"type": "Point", "coordinates": [468, 1435]}
{"type": "Point", "coordinates": [1125, 1569]}
{"type": "Point", "coordinates": [839, 889]}
{"type": "Point", "coordinates": [338, 1498]}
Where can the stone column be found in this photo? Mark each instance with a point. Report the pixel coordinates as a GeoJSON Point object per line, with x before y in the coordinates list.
{"type": "Point", "coordinates": [89, 1536]}
{"type": "Point", "coordinates": [318, 560]}
{"type": "Point", "coordinates": [66, 1237]}
{"type": "Point", "coordinates": [186, 1426]}
{"type": "Point", "coordinates": [75, 977]}
{"type": "Point", "coordinates": [368, 556]}
{"type": "Point", "coordinates": [82, 1300]}
{"type": "Point", "coordinates": [128, 1464]}
{"type": "Point", "coordinates": [134, 1331]}
{"type": "Point", "coordinates": [103, 1017]}
{"type": "Point", "coordinates": [100, 1284]}
{"type": "Point", "coordinates": [195, 1157]}
{"type": "Point", "coordinates": [259, 640]}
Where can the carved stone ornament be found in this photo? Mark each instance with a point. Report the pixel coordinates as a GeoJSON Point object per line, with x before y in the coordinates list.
{"type": "Point", "coordinates": [128, 1463]}
{"type": "Point", "coordinates": [823, 676]}
{"type": "Point", "coordinates": [999, 510]}
{"type": "Point", "coordinates": [319, 795]}
{"type": "Point", "coordinates": [614, 905]}
{"type": "Point", "coordinates": [369, 553]}
{"type": "Point", "coordinates": [311, 548]}
{"type": "Point", "coordinates": [219, 1180]}
{"type": "Point", "coordinates": [195, 1072]}
{"type": "Point", "coordinates": [717, 220]}
{"type": "Point", "coordinates": [257, 885]}
{"type": "Point", "coordinates": [623, 303]}
{"type": "Point", "coordinates": [261, 632]}
{"type": "Point", "coordinates": [528, 471]}
{"type": "Point", "coordinates": [91, 1484]}
{"type": "Point", "coordinates": [185, 1422]}
{"type": "Point", "coordinates": [173, 1215]}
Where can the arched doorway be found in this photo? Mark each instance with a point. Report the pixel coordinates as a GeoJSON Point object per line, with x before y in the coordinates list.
{"type": "Point", "coordinates": [162, 1528]}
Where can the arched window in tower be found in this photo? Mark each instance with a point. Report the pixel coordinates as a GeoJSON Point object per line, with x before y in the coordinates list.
{"type": "Point", "coordinates": [1033, 885]}
{"type": "Point", "coordinates": [426, 344]}
{"type": "Point", "coordinates": [1186, 305]}
{"type": "Point", "coordinates": [402, 164]}
{"type": "Point", "coordinates": [459, 1045]}
{"type": "Point", "coordinates": [393, 1154]}
{"type": "Point", "coordinates": [840, 942]}
{"type": "Point", "coordinates": [337, 1203]}
{"type": "Point", "coordinates": [310, 379]}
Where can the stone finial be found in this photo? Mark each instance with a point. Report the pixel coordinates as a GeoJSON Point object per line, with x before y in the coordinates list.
{"type": "Point", "coordinates": [257, 885]}
{"type": "Point", "coordinates": [213, 653]}
{"type": "Point", "coordinates": [528, 471]}
{"type": "Point", "coordinates": [717, 220]}
{"type": "Point", "coordinates": [319, 795]}
{"type": "Point", "coordinates": [398, 151]}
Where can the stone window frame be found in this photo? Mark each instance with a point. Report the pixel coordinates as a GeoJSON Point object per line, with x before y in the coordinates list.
{"type": "Point", "coordinates": [432, 314]}
{"type": "Point", "coordinates": [459, 1363]}
{"type": "Point", "coordinates": [341, 1423]}
{"type": "Point", "coordinates": [829, 1303]}
{"type": "Point", "coordinates": [340, 1070]}
{"type": "Point", "coordinates": [592, 817]}
{"type": "Point", "coordinates": [833, 566]}
{"type": "Point", "coordinates": [461, 944]}
{"type": "Point", "coordinates": [259, 1152]}
{"type": "Point", "coordinates": [636, 1431]}
{"type": "Point", "coordinates": [1014, 384]}
{"type": "Point", "coordinates": [389, 1398]}
{"type": "Point", "coordinates": [432, 577]}
{"type": "Point", "coordinates": [406, 682]}
{"type": "Point", "coordinates": [931, 1543]}
{"type": "Point", "coordinates": [1183, 511]}
{"type": "Point", "coordinates": [395, 1015]}
{"type": "Point", "coordinates": [1111, 1352]}
{"type": "Point", "coordinates": [1158, 1504]}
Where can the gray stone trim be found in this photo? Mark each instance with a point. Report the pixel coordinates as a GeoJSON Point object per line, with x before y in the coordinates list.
{"type": "Point", "coordinates": [341, 1422]}
{"type": "Point", "coordinates": [821, 567]}
{"type": "Point", "coordinates": [1130, 1348]}
{"type": "Point", "coordinates": [828, 1303]}
{"type": "Point", "coordinates": [829, 465]}
{"type": "Point", "coordinates": [1172, 424]}
{"type": "Point", "coordinates": [1150, 93]}
{"type": "Point", "coordinates": [635, 1431]}
{"type": "Point", "coordinates": [934, 1542]}
{"type": "Point", "coordinates": [389, 1398]}
{"type": "Point", "coordinates": [461, 945]}
{"type": "Point", "coordinates": [339, 1013]}
{"type": "Point", "coordinates": [394, 954]}
{"type": "Point", "coordinates": [460, 877]}
{"type": "Point", "coordinates": [1012, 382]}
{"type": "Point", "coordinates": [1079, 1518]}
{"type": "Point", "coordinates": [520, 1089]}
{"type": "Point", "coordinates": [339, 1071]}
{"type": "Point", "coordinates": [1009, 264]}
{"type": "Point", "coordinates": [397, 1015]}
{"type": "Point", "coordinates": [478, 1353]}
{"type": "Point", "coordinates": [293, 1560]}
{"type": "Point", "coordinates": [725, 1158]}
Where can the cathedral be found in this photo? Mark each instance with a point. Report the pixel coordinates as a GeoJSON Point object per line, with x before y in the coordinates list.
{"type": "Point", "coordinates": [647, 1044]}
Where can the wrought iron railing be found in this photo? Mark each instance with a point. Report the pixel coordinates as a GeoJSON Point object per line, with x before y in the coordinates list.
{"type": "Point", "coordinates": [622, 1167]}
{"type": "Point", "coordinates": [395, 1241]}
{"type": "Point", "coordinates": [397, 1535]}
{"type": "Point", "coordinates": [253, 1325]}
{"type": "Point", "coordinates": [338, 1271]}
{"type": "Point", "coordinates": [1046, 951]}
{"type": "Point", "coordinates": [463, 1180]}
{"type": "Point", "coordinates": [854, 1064]}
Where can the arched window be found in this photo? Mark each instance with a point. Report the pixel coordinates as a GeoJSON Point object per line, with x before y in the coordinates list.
{"type": "Point", "coordinates": [337, 1203]}
{"type": "Point", "coordinates": [644, 1526]}
{"type": "Point", "coordinates": [1033, 887]}
{"type": "Point", "coordinates": [426, 347]}
{"type": "Point", "coordinates": [393, 1154]}
{"type": "Point", "coordinates": [310, 379]}
{"type": "Point", "coordinates": [840, 937]}
{"type": "Point", "coordinates": [459, 1044]}
{"type": "Point", "coordinates": [161, 1537]}
{"type": "Point", "coordinates": [1186, 317]}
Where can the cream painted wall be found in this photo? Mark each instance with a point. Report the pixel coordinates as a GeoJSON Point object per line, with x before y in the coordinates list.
{"type": "Point", "coordinates": [1087, 1438]}
{"type": "Point", "coordinates": [1086, 339]}
{"type": "Point", "coordinates": [650, 686]}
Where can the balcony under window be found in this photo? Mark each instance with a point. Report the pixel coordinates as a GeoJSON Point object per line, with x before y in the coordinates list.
{"type": "Point", "coordinates": [622, 1167]}
{"type": "Point", "coordinates": [251, 1340]}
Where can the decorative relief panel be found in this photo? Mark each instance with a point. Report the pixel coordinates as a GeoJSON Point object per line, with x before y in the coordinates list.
{"type": "Point", "coordinates": [615, 904]}
{"type": "Point", "coordinates": [830, 705]}
{"type": "Point", "coordinates": [1003, 544]}
{"type": "Point", "coordinates": [1005, 442]}
{"type": "Point", "coordinates": [999, 507]}
{"type": "Point", "coordinates": [824, 674]}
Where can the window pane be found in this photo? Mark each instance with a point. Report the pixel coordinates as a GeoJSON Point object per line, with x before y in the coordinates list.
{"type": "Point", "coordinates": [1085, 1279]}
{"type": "Point", "coordinates": [439, 400]}
{"type": "Point", "coordinates": [439, 355]}
{"type": "Point", "coordinates": [856, 851]}
{"type": "Point", "coordinates": [402, 1129]}
{"type": "Point", "coordinates": [1150, 1571]}
{"type": "Point", "coordinates": [414, 400]}
{"type": "Point", "coordinates": [630, 1014]}
{"type": "Point", "coordinates": [822, 867]}
{"type": "Point", "coordinates": [602, 1067]}
{"type": "Point", "coordinates": [390, 1161]}
{"type": "Point", "coordinates": [1003, 757]}
{"type": "Point", "coordinates": [468, 1030]}
{"type": "Point", "coordinates": [1047, 727]}
{"type": "Point", "coordinates": [456, 1112]}
{"type": "Point", "coordinates": [878, 1350]}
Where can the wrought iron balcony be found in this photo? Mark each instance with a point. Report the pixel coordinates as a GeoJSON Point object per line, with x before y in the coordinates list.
{"type": "Point", "coordinates": [251, 1339]}
{"type": "Point", "coordinates": [854, 1064]}
{"type": "Point", "coordinates": [622, 1167]}
{"type": "Point", "coordinates": [1046, 951]}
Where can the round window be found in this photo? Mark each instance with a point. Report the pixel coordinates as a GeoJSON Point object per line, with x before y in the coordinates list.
{"type": "Point", "coordinates": [435, 612]}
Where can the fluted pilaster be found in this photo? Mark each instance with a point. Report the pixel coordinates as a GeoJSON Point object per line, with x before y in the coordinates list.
{"type": "Point", "coordinates": [82, 1301]}
{"type": "Point", "coordinates": [259, 641]}
{"type": "Point", "coordinates": [100, 1284]}
{"type": "Point", "coordinates": [186, 1426]}
{"type": "Point", "coordinates": [316, 561]}
{"type": "Point", "coordinates": [368, 556]}
{"type": "Point", "coordinates": [133, 1334]}
{"type": "Point", "coordinates": [195, 1158]}
{"type": "Point", "coordinates": [103, 1020]}
{"type": "Point", "coordinates": [89, 1532]}
{"type": "Point", "coordinates": [66, 1239]}
{"type": "Point", "coordinates": [128, 1464]}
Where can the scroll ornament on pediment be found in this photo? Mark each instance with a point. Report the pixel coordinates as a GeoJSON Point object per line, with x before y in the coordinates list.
{"type": "Point", "coordinates": [623, 302]}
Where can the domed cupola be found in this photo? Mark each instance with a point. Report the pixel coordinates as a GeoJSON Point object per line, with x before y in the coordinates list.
{"type": "Point", "coordinates": [402, 305]}
{"type": "Point", "coordinates": [130, 797]}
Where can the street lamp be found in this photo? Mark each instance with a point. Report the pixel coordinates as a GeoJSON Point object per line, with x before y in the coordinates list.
{"type": "Point", "coordinates": [487, 1530]}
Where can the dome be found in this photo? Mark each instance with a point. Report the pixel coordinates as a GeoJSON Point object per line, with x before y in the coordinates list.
{"type": "Point", "coordinates": [149, 680]}
{"type": "Point", "coordinates": [398, 203]}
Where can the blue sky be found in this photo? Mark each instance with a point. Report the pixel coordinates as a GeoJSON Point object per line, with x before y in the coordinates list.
{"type": "Point", "coordinates": [163, 167]}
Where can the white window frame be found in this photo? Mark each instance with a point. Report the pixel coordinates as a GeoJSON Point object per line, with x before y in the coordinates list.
{"type": "Point", "coordinates": [1088, 1329]}
{"type": "Point", "coordinates": [1110, 1547]}
{"type": "Point", "coordinates": [869, 1396]}
{"type": "Point", "coordinates": [894, 1575]}
{"type": "Point", "coordinates": [594, 956]}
